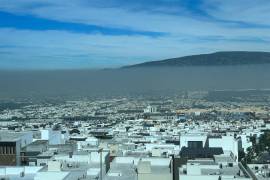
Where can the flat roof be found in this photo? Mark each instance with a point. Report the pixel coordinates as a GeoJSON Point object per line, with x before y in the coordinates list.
{"type": "Point", "coordinates": [121, 171]}
{"type": "Point", "coordinates": [51, 175]}
{"type": "Point", "coordinates": [11, 136]}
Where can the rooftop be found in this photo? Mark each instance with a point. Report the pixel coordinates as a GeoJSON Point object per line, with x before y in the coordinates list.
{"type": "Point", "coordinates": [11, 136]}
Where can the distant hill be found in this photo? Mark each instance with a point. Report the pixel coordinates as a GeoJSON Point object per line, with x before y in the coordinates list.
{"type": "Point", "coordinates": [228, 58]}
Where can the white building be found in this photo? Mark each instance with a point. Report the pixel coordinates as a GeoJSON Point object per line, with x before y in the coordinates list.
{"type": "Point", "coordinates": [54, 137]}
{"type": "Point", "coordinates": [227, 143]}
{"type": "Point", "coordinates": [209, 169]}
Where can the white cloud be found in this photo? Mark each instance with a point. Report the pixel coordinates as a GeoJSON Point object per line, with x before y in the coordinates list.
{"type": "Point", "coordinates": [186, 34]}
{"type": "Point", "coordinates": [248, 11]}
{"type": "Point", "coordinates": [97, 50]}
{"type": "Point", "coordinates": [120, 17]}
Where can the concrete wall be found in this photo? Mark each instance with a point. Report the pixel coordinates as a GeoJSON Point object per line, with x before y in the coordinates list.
{"type": "Point", "coordinates": [54, 137]}
{"type": "Point", "coordinates": [227, 143]}
{"type": "Point", "coordinates": [26, 139]}
{"type": "Point", "coordinates": [18, 170]}
{"type": "Point", "coordinates": [154, 176]}
{"type": "Point", "coordinates": [200, 177]}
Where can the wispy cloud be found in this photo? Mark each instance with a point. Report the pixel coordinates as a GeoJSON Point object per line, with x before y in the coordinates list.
{"type": "Point", "coordinates": [80, 33]}
{"type": "Point", "coordinates": [244, 11]}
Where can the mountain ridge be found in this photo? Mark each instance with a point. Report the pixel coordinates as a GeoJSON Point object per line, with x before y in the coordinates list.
{"type": "Point", "coordinates": [222, 58]}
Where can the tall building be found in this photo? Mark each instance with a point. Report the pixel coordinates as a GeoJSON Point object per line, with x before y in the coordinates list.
{"type": "Point", "coordinates": [10, 146]}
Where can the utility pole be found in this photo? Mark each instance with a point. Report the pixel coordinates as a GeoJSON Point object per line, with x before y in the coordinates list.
{"type": "Point", "coordinates": [100, 152]}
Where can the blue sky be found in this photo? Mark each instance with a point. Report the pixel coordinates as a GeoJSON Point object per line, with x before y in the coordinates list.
{"type": "Point", "coordinates": [60, 34]}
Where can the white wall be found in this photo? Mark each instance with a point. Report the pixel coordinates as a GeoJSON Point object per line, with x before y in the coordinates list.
{"type": "Point", "coordinates": [227, 143]}
{"type": "Point", "coordinates": [184, 139]}
{"type": "Point", "coordinates": [26, 139]}
{"type": "Point", "coordinates": [54, 137]}
{"type": "Point", "coordinates": [154, 161]}
{"type": "Point", "coordinates": [51, 175]}
{"type": "Point", "coordinates": [245, 142]}
{"type": "Point", "coordinates": [17, 170]}
{"type": "Point", "coordinates": [201, 177]}
{"type": "Point", "coordinates": [91, 157]}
